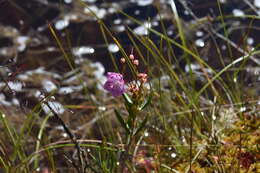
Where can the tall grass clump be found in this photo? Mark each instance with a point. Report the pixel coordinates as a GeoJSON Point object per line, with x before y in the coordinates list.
{"type": "Point", "coordinates": [166, 108]}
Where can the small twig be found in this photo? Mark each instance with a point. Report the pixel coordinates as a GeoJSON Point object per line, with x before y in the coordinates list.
{"type": "Point", "coordinates": [72, 162]}
{"type": "Point", "coordinates": [251, 6]}
{"type": "Point", "coordinates": [234, 45]}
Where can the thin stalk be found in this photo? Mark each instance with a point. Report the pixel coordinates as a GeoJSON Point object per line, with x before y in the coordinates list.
{"type": "Point", "coordinates": [72, 138]}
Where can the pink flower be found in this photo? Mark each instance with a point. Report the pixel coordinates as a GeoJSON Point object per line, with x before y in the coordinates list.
{"type": "Point", "coordinates": [142, 77]}
{"type": "Point", "coordinates": [115, 84]}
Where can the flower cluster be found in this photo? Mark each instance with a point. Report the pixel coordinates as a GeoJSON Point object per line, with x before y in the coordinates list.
{"type": "Point", "coordinates": [115, 83]}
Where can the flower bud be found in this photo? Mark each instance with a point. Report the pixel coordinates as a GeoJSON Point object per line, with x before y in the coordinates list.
{"type": "Point", "coordinates": [142, 77]}
{"type": "Point", "coordinates": [136, 62]}
{"type": "Point", "coordinates": [131, 57]}
{"type": "Point", "coordinates": [122, 60]}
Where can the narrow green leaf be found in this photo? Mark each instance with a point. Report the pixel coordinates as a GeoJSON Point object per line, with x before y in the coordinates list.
{"type": "Point", "coordinates": [146, 102]}
{"type": "Point", "coordinates": [4, 164]}
{"type": "Point", "coordinates": [128, 100]}
{"type": "Point", "coordinates": [39, 137]}
{"type": "Point", "coordinates": [122, 121]}
{"type": "Point", "coordinates": [142, 125]}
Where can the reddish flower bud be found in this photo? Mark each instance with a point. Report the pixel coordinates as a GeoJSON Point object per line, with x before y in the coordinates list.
{"type": "Point", "coordinates": [136, 62]}
{"type": "Point", "coordinates": [131, 57]}
{"type": "Point", "coordinates": [142, 77]}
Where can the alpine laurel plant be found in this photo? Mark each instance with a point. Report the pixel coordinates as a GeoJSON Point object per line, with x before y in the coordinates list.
{"type": "Point", "coordinates": [136, 98]}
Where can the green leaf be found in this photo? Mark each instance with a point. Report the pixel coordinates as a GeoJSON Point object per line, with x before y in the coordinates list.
{"type": "Point", "coordinates": [142, 125]}
{"type": "Point", "coordinates": [130, 120]}
{"type": "Point", "coordinates": [128, 100]}
{"type": "Point", "coordinates": [146, 102]}
{"type": "Point", "coordinates": [122, 121]}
